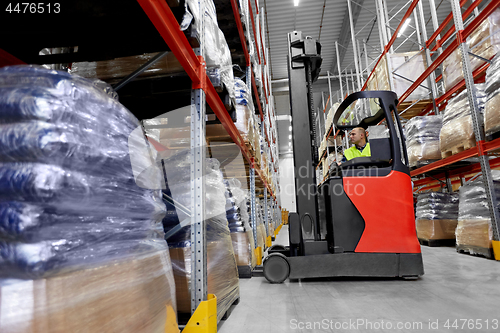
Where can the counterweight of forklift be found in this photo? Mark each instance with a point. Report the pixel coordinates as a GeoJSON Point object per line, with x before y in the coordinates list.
{"type": "Point", "coordinates": [33, 8]}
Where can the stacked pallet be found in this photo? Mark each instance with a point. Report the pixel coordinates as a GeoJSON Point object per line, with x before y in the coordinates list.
{"type": "Point", "coordinates": [80, 211]}
{"type": "Point", "coordinates": [474, 233]}
{"type": "Point", "coordinates": [222, 271]}
{"type": "Point", "coordinates": [483, 41]}
{"type": "Point", "coordinates": [239, 225]}
{"type": "Point", "coordinates": [436, 218]}
{"type": "Point", "coordinates": [457, 132]}
{"type": "Point", "coordinates": [422, 140]}
{"type": "Point", "coordinates": [492, 106]}
{"type": "Point", "coordinates": [403, 69]}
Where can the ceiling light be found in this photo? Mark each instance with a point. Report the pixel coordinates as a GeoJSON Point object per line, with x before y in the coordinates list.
{"type": "Point", "coordinates": [290, 137]}
{"type": "Point", "coordinates": [295, 3]}
{"type": "Point", "coordinates": [404, 27]}
{"type": "Point", "coordinates": [290, 128]}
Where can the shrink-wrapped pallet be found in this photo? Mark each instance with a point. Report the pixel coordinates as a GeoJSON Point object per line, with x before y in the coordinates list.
{"type": "Point", "coordinates": [80, 210]}
{"type": "Point", "coordinates": [436, 216]}
{"type": "Point", "coordinates": [217, 54]}
{"type": "Point", "coordinates": [422, 140]}
{"type": "Point", "coordinates": [492, 106]}
{"type": "Point", "coordinates": [222, 270]}
{"type": "Point", "coordinates": [244, 113]}
{"type": "Point", "coordinates": [406, 68]}
{"type": "Point", "coordinates": [457, 132]}
{"type": "Point", "coordinates": [261, 229]}
{"type": "Point", "coordinates": [484, 41]}
{"type": "Point", "coordinates": [474, 233]}
{"type": "Point", "coordinates": [238, 219]}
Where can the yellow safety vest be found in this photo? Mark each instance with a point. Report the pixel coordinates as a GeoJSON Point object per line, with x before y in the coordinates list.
{"type": "Point", "coordinates": [354, 152]}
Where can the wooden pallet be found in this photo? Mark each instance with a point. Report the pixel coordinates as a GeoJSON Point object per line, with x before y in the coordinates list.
{"type": "Point", "coordinates": [230, 309]}
{"type": "Point", "coordinates": [245, 272]}
{"type": "Point", "coordinates": [436, 242]}
{"type": "Point", "coordinates": [415, 110]}
{"type": "Point", "coordinates": [476, 251]}
{"type": "Point", "coordinates": [459, 148]}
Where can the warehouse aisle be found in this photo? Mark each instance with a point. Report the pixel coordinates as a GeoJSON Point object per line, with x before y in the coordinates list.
{"type": "Point", "coordinates": [455, 286]}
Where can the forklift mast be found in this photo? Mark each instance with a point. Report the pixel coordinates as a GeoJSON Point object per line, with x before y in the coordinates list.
{"type": "Point", "coordinates": [304, 63]}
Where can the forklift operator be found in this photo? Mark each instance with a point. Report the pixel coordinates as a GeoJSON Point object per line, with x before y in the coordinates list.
{"type": "Point", "coordinates": [360, 149]}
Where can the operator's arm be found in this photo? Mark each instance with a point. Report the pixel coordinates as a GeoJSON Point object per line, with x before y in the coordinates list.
{"type": "Point", "coordinates": [342, 161]}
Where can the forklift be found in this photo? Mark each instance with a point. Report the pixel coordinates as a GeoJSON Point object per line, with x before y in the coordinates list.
{"type": "Point", "coordinates": [360, 221]}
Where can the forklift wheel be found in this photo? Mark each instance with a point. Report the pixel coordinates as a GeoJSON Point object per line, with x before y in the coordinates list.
{"type": "Point", "coordinates": [276, 268]}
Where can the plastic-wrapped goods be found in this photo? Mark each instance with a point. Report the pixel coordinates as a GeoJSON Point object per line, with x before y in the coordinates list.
{"type": "Point", "coordinates": [135, 295]}
{"type": "Point", "coordinates": [422, 139]}
{"type": "Point", "coordinates": [73, 212]}
{"type": "Point", "coordinates": [244, 112]}
{"type": "Point", "coordinates": [492, 106]}
{"type": "Point", "coordinates": [217, 53]}
{"type": "Point", "coordinates": [436, 215]}
{"type": "Point", "coordinates": [54, 166]}
{"type": "Point", "coordinates": [261, 227]}
{"type": "Point", "coordinates": [261, 231]}
{"type": "Point", "coordinates": [222, 269]}
{"type": "Point", "coordinates": [484, 42]}
{"type": "Point", "coordinates": [457, 132]}
{"type": "Point", "coordinates": [241, 232]}
{"type": "Point", "coordinates": [474, 233]}
{"type": "Point", "coordinates": [406, 67]}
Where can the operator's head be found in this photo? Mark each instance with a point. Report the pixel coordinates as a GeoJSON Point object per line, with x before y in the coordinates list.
{"type": "Point", "coordinates": [358, 136]}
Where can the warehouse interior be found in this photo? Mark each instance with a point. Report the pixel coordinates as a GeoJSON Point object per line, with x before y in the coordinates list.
{"type": "Point", "coordinates": [175, 166]}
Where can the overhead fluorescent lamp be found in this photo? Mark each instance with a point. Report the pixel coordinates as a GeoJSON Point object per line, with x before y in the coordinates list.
{"type": "Point", "coordinates": [290, 128]}
{"type": "Point", "coordinates": [405, 25]}
{"type": "Point", "coordinates": [295, 3]}
{"type": "Point", "coordinates": [290, 137]}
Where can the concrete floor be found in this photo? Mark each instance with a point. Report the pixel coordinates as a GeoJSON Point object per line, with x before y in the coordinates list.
{"type": "Point", "coordinates": [455, 287]}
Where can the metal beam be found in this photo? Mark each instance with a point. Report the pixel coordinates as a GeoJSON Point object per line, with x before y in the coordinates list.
{"type": "Point", "coordinates": [345, 33]}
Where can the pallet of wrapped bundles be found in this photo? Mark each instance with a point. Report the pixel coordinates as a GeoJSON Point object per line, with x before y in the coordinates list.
{"type": "Point", "coordinates": [261, 231]}
{"type": "Point", "coordinates": [222, 272]}
{"type": "Point", "coordinates": [241, 232]}
{"type": "Point", "coordinates": [436, 218]}
{"type": "Point", "coordinates": [484, 41]}
{"type": "Point", "coordinates": [422, 140]}
{"type": "Point", "coordinates": [492, 106]}
{"type": "Point", "coordinates": [457, 133]}
{"type": "Point", "coordinates": [474, 233]}
{"type": "Point", "coordinates": [81, 240]}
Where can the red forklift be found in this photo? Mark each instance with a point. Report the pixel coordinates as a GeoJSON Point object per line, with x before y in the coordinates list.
{"type": "Point", "coordinates": [360, 221]}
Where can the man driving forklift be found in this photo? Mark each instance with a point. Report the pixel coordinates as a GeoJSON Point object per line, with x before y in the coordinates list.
{"type": "Point", "coordinates": [357, 136]}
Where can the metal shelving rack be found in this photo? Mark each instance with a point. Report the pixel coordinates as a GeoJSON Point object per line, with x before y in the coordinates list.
{"type": "Point", "coordinates": [166, 24]}
{"type": "Point", "coordinates": [203, 93]}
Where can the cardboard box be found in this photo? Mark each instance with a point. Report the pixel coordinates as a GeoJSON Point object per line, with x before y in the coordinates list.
{"type": "Point", "coordinates": [243, 246]}
{"type": "Point", "coordinates": [476, 233]}
{"type": "Point", "coordinates": [130, 296]}
{"type": "Point", "coordinates": [222, 275]}
{"type": "Point", "coordinates": [436, 229]}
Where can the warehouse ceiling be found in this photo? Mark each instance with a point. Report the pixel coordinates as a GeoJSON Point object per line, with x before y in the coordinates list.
{"type": "Point", "coordinates": [327, 21]}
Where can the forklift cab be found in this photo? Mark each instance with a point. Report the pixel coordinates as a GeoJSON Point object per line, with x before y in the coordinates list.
{"type": "Point", "coordinates": [368, 225]}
